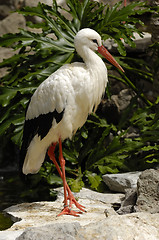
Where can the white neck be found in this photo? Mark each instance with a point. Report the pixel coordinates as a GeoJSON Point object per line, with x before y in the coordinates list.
{"type": "Point", "coordinates": [97, 70]}
{"type": "Point", "coordinates": [90, 58]}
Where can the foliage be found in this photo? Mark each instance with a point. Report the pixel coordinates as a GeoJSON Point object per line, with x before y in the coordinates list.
{"type": "Point", "coordinates": [40, 54]}
{"type": "Point", "coordinates": [5, 222]}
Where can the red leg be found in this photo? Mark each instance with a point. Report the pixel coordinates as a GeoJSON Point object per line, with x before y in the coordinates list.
{"type": "Point", "coordinates": [70, 197]}
{"type": "Point", "coordinates": [62, 163]}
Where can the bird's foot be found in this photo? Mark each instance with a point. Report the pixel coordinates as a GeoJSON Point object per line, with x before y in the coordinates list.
{"type": "Point", "coordinates": [72, 200]}
{"type": "Point", "coordinates": [68, 211]}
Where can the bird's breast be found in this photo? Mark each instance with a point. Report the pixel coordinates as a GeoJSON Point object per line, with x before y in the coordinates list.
{"type": "Point", "coordinates": [87, 89]}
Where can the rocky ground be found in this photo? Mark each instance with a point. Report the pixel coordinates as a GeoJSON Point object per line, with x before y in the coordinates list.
{"type": "Point", "coordinates": [132, 215]}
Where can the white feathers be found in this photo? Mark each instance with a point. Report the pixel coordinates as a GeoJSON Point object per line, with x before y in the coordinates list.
{"type": "Point", "coordinates": [34, 157]}
{"type": "Point", "coordinates": [49, 96]}
{"type": "Point", "coordinates": [75, 89]}
{"type": "Point", "coordinates": [86, 36]}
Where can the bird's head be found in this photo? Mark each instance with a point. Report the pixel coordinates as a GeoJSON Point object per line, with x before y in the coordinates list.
{"type": "Point", "coordinates": [89, 38]}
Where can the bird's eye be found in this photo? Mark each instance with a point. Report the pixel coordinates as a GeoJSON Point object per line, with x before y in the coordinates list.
{"type": "Point", "coordinates": [95, 41]}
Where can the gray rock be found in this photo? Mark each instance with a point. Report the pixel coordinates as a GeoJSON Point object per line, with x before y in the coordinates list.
{"type": "Point", "coordinates": [121, 181]}
{"type": "Point", "coordinates": [12, 23]}
{"type": "Point", "coordinates": [10, 235]}
{"type": "Point", "coordinates": [4, 11]}
{"type": "Point", "coordinates": [135, 226]}
{"type": "Point", "coordinates": [142, 43]}
{"type": "Point", "coordinates": [122, 100]}
{"type": "Point", "coordinates": [46, 212]}
{"type": "Point", "coordinates": [107, 198]}
{"type": "Point", "coordinates": [127, 205]}
{"type": "Point", "coordinates": [4, 54]}
{"type": "Point", "coordinates": [140, 226]}
{"type": "Point", "coordinates": [39, 221]}
{"type": "Point", "coordinates": [51, 232]}
{"type": "Point", "coordinates": [62, 3]}
{"type": "Point", "coordinates": [13, 4]}
{"type": "Point", "coordinates": [34, 3]}
{"type": "Point", "coordinates": [148, 191]}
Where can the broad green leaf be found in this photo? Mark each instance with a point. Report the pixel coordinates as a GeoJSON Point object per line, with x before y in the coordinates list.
{"type": "Point", "coordinates": [6, 95]}
{"type": "Point", "coordinates": [54, 180]}
{"type": "Point", "coordinates": [93, 179]}
{"type": "Point", "coordinates": [107, 169]}
{"type": "Point", "coordinates": [76, 184]}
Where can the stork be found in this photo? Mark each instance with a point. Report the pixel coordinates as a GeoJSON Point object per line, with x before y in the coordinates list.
{"type": "Point", "coordinates": [61, 105]}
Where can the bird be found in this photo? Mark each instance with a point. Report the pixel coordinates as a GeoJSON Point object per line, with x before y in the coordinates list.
{"type": "Point", "coordinates": [61, 105]}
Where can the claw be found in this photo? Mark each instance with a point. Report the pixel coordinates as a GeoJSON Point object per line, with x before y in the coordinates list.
{"type": "Point", "coordinates": [72, 200]}
{"type": "Point", "coordinates": [69, 211]}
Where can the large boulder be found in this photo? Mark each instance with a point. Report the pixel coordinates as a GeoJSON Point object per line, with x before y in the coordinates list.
{"type": "Point", "coordinates": [148, 191]}
{"type": "Point", "coordinates": [120, 182]}
{"type": "Point", "coordinates": [140, 226]}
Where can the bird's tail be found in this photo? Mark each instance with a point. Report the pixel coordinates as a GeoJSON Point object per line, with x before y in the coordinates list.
{"type": "Point", "coordinates": [34, 157]}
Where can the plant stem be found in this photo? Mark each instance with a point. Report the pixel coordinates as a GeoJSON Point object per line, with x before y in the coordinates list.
{"type": "Point", "coordinates": [141, 95]}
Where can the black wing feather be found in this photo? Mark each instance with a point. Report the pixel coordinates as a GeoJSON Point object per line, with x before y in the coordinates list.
{"type": "Point", "coordinates": [41, 126]}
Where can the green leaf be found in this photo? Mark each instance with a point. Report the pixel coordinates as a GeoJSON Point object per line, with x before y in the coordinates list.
{"type": "Point", "coordinates": [6, 95]}
{"type": "Point", "coordinates": [53, 179]}
{"type": "Point", "coordinates": [149, 148]}
{"type": "Point", "coordinates": [107, 169]}
{"type": "Point", "coordinates": [93, 179]}
{"type": "Point", "coordinates": [76, 184]}
{"type": "Point", "coordinates": [154, 160]}
{"type": "Point", "coordinates": [18, 134]}
{"type": "Point", "coordinates": [14, 120]}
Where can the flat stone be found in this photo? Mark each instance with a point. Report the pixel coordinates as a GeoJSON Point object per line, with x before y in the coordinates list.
{"type": "Point", "coordinates": [121, 181]}
{"type": "Point", "coordinates": [135, 226]}
{"type": "Point", "coordinates": [108, 198]}
{"type": "Point", "coordinates": [142, 43]}
{"type": "Point", "coordinates": [34, 3]}
{"type": "Point", "coordinates": [12, 23]}
{"type": "Point", "coordinates": [52, 231]}
{"type": "Point", "coordinates": [139, 226]}
{"type": "Point", "coordinates": [39, 214]}
{"type": "Point", "coordinates": [6, 53]}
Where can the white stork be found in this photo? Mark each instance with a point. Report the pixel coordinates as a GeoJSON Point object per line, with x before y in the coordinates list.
{"type": "Point", "coordinates": [61, 105]}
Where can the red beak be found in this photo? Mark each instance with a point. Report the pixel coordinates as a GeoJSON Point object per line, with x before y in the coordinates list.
{"type": "Point", "coordinates": [104, 52]}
